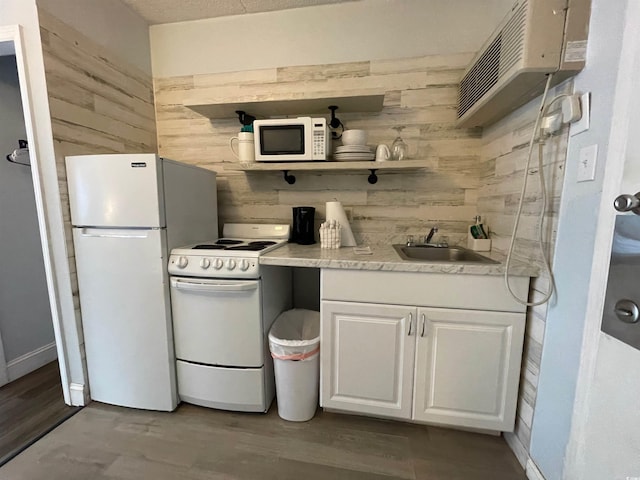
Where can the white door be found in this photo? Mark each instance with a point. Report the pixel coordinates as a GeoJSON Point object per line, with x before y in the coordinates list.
{"type": "Point", "coordinates": [367, 358]}
{"type": "Point", "coordinates": [116, 190]}
{"type": "Point", "coordinates": [218, 322]}
{"type": "Point", "coordinates": [605, 438]}
{"type": "Point", "coordinates": [468, 367]}
{"type": "Point", "coordinates": [126, 317]}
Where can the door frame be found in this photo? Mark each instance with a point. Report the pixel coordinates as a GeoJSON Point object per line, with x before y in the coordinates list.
{"type": "Point", "coordinates": [13, 33]}
{"type": "Point", "coordinates": [4, 373]}
{"type": "Point", "coordinates": [628, 72]}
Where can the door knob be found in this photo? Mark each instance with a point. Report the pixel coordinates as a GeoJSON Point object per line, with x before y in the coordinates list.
{"type": "Point", "coordinates": [628, 203]}
{"type": "Point", "coordinates": [627, 311]}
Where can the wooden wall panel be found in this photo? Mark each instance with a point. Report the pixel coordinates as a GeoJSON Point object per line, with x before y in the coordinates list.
{"type": "Point", "coordinates": [420, 94]}
{"type": "Point", "coordinates": [504, 157]}
{"type": "Point", "coordinates": [98, 104]}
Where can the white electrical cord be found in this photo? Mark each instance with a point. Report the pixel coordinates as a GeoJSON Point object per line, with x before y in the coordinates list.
{"type": "Point", "coordinates": [542, 112]}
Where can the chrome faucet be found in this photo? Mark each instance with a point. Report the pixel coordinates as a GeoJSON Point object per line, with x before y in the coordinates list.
{"type": "Point", "coordinates": [429, 236]}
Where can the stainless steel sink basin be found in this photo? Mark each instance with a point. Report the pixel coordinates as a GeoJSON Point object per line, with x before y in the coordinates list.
{"type": "Point", "coordinates": [429, 253]}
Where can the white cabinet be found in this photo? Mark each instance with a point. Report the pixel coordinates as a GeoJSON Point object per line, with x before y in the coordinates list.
{"type": "Point", "coordinates": [368, 353]}
{"type": "Point", "coordinates": [390, 349]}
{"type": "Point", "coordinates": [467, 367]}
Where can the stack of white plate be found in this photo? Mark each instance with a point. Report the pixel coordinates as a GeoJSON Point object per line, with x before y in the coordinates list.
{"type": "Point", "coordinates": [353, 153]}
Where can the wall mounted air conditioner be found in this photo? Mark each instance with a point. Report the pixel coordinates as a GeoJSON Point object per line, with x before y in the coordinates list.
{"type": "Point", "coordinates": [536, 37]}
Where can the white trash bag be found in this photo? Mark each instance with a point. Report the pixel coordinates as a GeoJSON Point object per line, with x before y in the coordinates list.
{"type": "Point", "coordinates": [294, 341]}
{"type": "Point", "coordinates": [295, 335]}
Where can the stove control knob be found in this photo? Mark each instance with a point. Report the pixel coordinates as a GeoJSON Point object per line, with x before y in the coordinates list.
{"type": "Point", "coordinates": [231, 264]}
{"type": "Point", "coordinates": [204, 263]}
{"type": "Point", "coordinates": [182, 262]}
{"type": "Point", "coordinates": [218, 263]}
{"type": "Point", "coordinates": [244, 265]}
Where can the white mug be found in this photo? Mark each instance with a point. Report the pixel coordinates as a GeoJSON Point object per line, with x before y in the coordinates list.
{"type": "Point", "coordinates": [246, 151]}
{"type": "Point", "coordinates": [382, 153]}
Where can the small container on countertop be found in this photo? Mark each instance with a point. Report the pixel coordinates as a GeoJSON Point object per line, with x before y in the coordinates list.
{"type": "Point", "coordinates": [479, 244]}
{"type": "Point", "coordinates": [330, 234]}
{"type": "Point", "coordinates": [478, 238]}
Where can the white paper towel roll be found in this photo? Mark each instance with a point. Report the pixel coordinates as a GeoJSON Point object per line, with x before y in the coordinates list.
{"type": "Point", "coordinates": [336, 212]}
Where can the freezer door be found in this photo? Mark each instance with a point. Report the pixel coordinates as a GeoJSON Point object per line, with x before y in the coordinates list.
{"type": "Point", "coordinates": [116, 190]}
{"type": "Point", "coordinates": [126, 317]}
{"type": "Point", "coordinates": [190, 204]}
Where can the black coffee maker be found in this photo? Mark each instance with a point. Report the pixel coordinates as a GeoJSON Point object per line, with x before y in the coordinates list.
{"type": "Point", "coordinates": [303, 231]}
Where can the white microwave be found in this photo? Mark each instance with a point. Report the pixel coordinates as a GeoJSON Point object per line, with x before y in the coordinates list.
{"type": "Point", "coordinates": [301, 139]}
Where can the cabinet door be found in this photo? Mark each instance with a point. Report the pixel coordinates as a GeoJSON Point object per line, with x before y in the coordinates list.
{"type": "Point", "coordinates": [367, 358]}
{"type": "Point", "coordinates": [468, 367]}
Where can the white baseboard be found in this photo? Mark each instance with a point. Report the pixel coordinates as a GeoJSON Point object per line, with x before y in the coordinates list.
{"type": "Point", "coordinates": [79, 394]}
{"type": "Point", "coordinates": [518, 449]}
{"type": "Point", "coordinates": [532, 471]}
{"type": "Point", "coordinates": [31, 361]}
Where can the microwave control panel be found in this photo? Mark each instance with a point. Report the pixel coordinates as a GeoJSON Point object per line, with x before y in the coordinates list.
{"type": "Point", "coordinates": [318, 144]}
{"type": "Point", "coordinates": [321, 139]}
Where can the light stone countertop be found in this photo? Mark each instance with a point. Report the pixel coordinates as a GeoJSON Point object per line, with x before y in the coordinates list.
{"type": "Point", "coordinates": [384, 258]}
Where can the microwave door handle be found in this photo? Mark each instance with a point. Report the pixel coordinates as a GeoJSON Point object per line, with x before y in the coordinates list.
{"type": "Point", "coordinates": [213, 287]}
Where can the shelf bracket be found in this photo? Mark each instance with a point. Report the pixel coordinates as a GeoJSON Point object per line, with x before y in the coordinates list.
{"type": "Point", "coordinates": [290, 179]}
{"type": "Point", "coordinates": [373, 178]}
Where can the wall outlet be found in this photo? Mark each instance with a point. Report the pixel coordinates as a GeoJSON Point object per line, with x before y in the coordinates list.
{"type": "Point", "coordinates": [585, 109]}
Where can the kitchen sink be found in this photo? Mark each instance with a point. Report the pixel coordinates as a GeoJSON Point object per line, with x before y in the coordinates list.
{"type": "Point", "coordinates": [437, 254]}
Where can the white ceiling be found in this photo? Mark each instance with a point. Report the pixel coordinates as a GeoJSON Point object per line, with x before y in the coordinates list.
{"type": "Point", "coordinates": [169, 11]}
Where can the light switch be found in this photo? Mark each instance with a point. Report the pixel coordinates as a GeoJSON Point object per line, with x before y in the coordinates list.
{"type": "Point", "coordinates": [587, 163]}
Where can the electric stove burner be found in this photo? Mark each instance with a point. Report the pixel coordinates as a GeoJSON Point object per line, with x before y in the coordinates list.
{"type": "Point", "coordinates": [250, 247]}
{"type": "Point", "coordinates": [228, 241]}
{"type": "Point", "coordinates": [231, 244]}
{"type": "Point", "coordinates": [207, 246]}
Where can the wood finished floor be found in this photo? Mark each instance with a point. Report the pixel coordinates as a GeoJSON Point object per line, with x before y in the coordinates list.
{"type": "Point", "coordinates": [29, 407]}
{"type": "Point", "coordinates": [103, 442]}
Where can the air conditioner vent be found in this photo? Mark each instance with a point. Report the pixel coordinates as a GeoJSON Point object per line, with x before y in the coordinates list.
{"type": "Point", "coordinates": [501, 55]}
{"type": "Point", "coordinates": [513, 39]}
{"type": "Point", "coordinates": [481, 77]}
{"type": "Point", "coordinates": [510, 68]}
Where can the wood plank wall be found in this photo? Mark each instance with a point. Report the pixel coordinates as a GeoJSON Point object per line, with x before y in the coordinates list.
{"type": "Point", "coordinates": [98, 104]}
{"type": "Point", "coordinates": [420, 94]}
{"type": "Point", "coordinates": [472, 171]}
{"type": "Point", "coordinates": [504, 156]}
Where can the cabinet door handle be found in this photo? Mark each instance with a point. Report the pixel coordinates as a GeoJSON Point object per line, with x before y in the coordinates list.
{"type": "Point", "coordinates": [423, 323]}
{"type": "Point", "coordinates": [410, 323]}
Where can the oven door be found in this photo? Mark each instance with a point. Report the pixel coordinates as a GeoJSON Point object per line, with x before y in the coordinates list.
{"type": "Point", "coordinates": [218, 322]}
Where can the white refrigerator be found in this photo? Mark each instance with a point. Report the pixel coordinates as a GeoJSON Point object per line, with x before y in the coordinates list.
{"type": "Point", "coordinates": [128, 212]}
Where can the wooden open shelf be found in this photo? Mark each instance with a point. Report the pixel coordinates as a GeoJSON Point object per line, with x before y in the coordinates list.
{"type": "Point", "coordinates": [364, 101]}
{"type": "Point", "coordinates": [287, 167]}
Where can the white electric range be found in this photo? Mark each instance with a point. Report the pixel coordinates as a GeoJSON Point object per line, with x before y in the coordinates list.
{"type": "Point", "coordinates": [224, 303]}
{"type": "Point", "coordinates": [233, 256]}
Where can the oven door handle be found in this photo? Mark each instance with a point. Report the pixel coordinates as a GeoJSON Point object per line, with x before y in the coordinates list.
{"type": "Point", "coordinates": [213, 287]}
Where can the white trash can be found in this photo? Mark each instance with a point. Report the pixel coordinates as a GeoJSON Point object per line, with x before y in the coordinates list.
{"type": "Point", "coordinates": [294, 342]}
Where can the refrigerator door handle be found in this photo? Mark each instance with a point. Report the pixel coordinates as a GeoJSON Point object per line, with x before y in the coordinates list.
{"type": "Point", "coordinates": [112, 233]}
{"type": "Point", "coordinates": [213, 287]}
